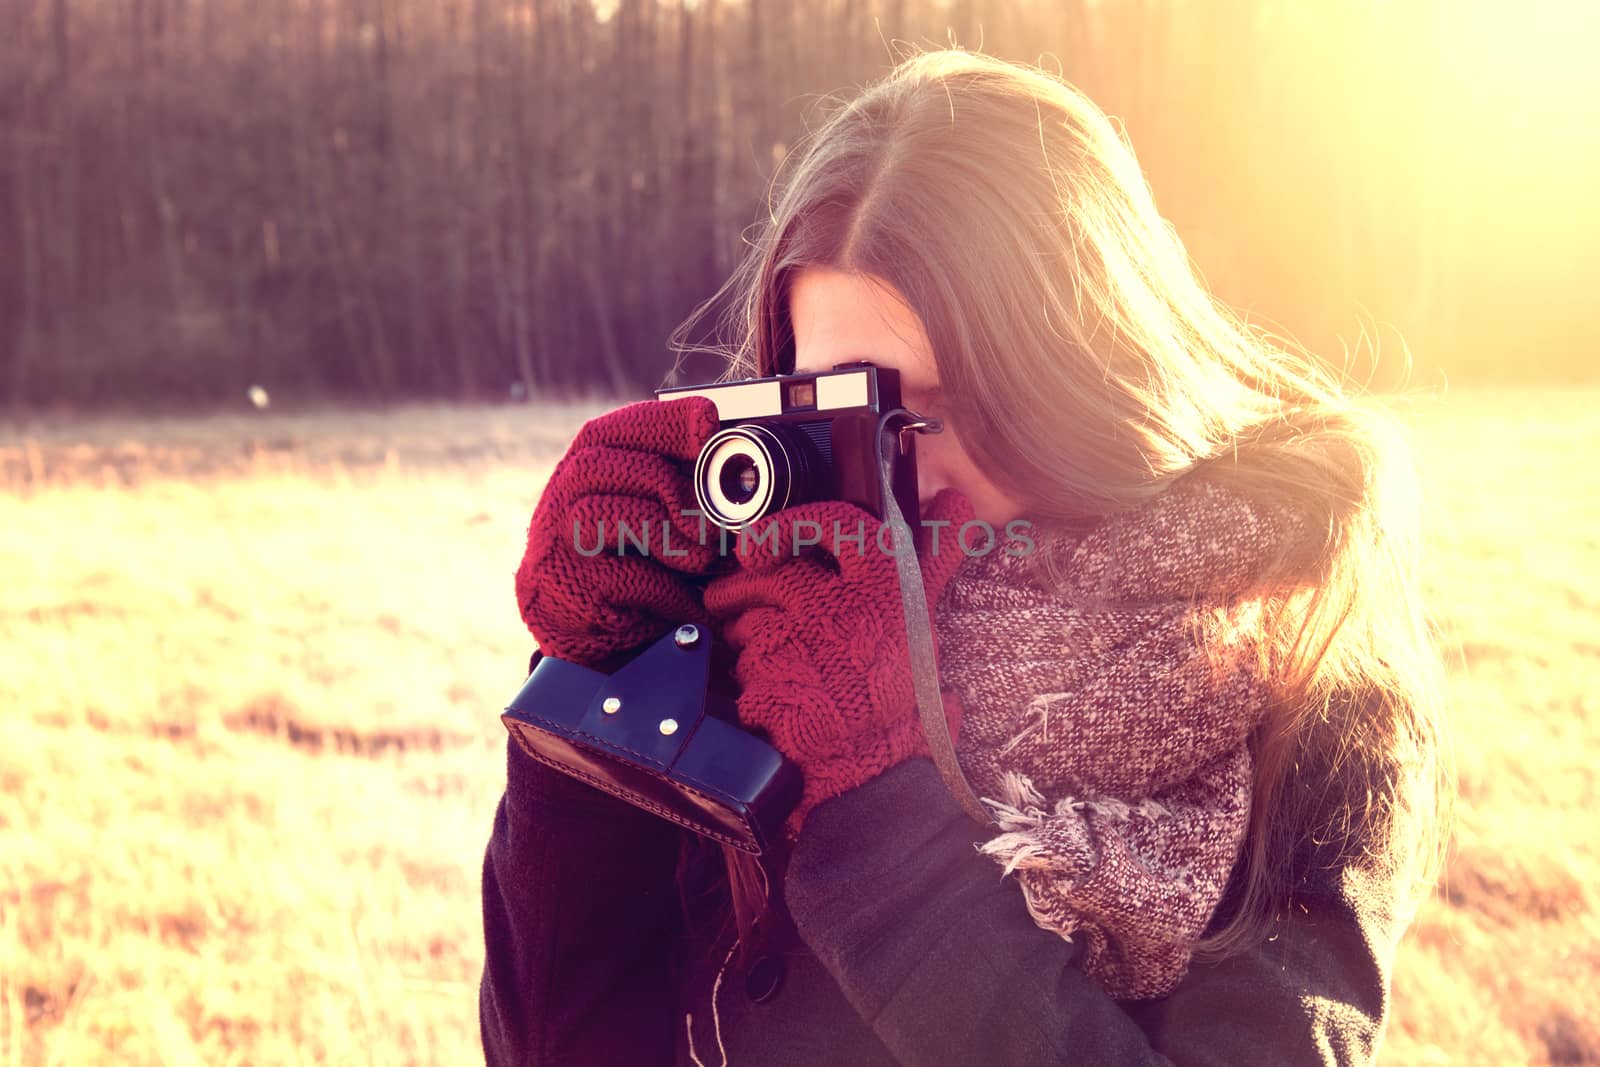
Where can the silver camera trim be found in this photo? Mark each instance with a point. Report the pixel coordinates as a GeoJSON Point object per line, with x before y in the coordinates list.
{"type": "Point", "coordinates": [762, 398]}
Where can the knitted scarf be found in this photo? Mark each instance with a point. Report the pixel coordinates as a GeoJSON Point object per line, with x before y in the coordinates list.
{"type": "Point", "coordinates": [1109, 682]}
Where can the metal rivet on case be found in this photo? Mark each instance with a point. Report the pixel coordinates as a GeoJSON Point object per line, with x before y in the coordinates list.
{"type": "Point", "coordinates": [611, 705]}
{"type": "Point", "coordinates": [669, 726]}
{"type": "Point", "coordinates": [686, 635]}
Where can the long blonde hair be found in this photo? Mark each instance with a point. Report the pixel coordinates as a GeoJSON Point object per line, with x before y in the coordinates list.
{"type": "Point", "coordinates": [1088, 368]}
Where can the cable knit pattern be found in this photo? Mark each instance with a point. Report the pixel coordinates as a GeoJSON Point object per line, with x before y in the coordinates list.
{"type": "Point", "coordinates": [822, 663]}
{"type": "Point", "coordinates": [1106, 715]}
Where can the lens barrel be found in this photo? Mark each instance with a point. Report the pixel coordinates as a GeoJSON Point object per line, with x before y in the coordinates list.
{"type": "Point", "coordinates": [747, 471]}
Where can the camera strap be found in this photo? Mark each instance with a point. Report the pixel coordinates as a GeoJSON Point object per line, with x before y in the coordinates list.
{"type": "Point", "coordinates": [914, 599]}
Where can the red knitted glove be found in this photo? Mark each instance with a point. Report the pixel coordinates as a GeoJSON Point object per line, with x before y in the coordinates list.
{"type": "Point", "coordinates": [822, 659]}
{"type": "Point", "coordinates": [584, 600]}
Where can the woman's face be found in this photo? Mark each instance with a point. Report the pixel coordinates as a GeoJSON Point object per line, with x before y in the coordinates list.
{"type": "Point", "coordinates": [839, 317]}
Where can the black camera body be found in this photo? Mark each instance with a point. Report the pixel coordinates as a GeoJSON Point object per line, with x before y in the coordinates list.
{"type": "Point", "coordinates": [794, 438]}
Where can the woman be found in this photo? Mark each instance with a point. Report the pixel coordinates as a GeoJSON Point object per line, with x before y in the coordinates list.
{"type": "Point", "coordinates": [1205, 712]}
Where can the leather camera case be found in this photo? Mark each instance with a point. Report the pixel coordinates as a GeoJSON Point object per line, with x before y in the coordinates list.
{"type": "Point", "coordinates": [645, 734]}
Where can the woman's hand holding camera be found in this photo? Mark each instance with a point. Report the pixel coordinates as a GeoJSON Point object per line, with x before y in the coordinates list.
{"type": "Point", "coordinates": [820, 639]}
{"type": "Point", "coordinates": [583, 599]}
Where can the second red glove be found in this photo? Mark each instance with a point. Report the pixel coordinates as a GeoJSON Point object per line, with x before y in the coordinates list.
{"type": "Point", "coordinates": [814, 616]}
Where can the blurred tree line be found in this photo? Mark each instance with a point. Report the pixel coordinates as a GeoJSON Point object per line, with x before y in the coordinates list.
{"type": "Point", "coordinates": [448, 197]}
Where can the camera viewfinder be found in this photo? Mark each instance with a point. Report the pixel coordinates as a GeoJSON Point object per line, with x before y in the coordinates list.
{"type": "Point", "coordinates": [801, 395]}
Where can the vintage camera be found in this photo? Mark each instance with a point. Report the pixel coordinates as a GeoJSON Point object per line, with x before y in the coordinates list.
{"type": "Point", "coordinates": [795, 438]}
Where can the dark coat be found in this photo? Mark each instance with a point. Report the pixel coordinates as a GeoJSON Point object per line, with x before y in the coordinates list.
{"type": "Point", "coordinates": [906, 947]}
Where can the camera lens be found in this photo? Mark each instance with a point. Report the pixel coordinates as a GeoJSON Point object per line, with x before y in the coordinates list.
{"type": "Point", "coordinates": [740, 479]}
{"type": "Point", "coordinates": [747, 471]}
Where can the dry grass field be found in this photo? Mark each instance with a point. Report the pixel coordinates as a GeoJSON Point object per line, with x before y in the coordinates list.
{"type": "Point", "coordinates": [250, 748]}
